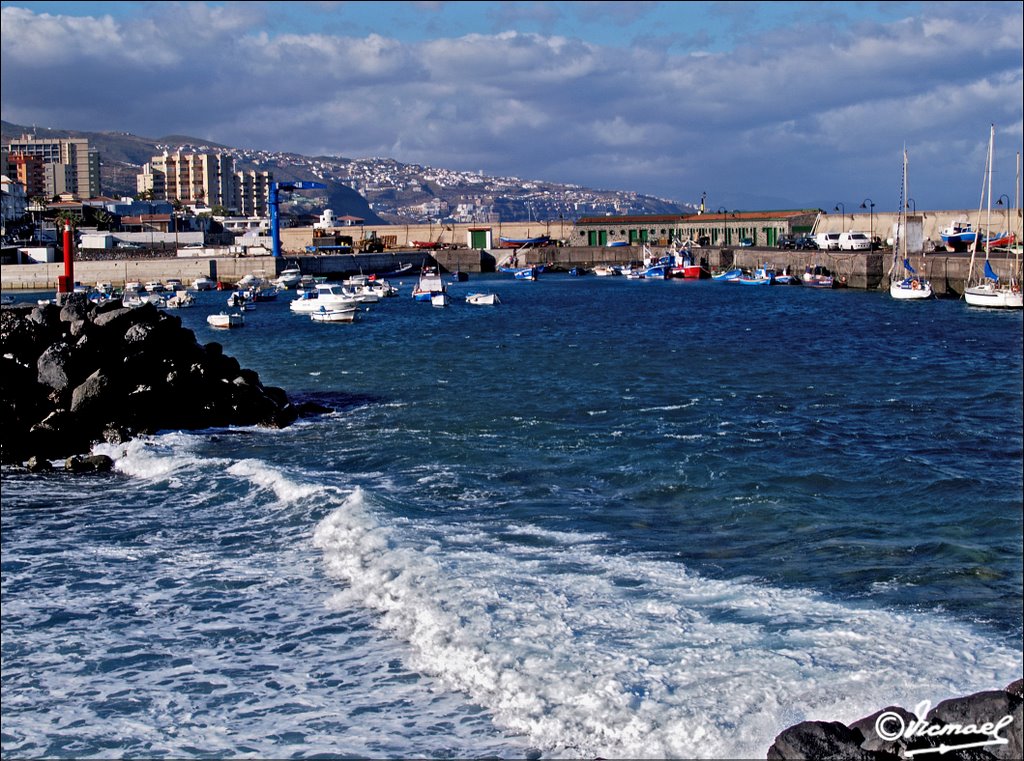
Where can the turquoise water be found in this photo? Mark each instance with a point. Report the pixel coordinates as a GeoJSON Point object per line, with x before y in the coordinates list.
{"type": "Point", "coordinates": [604, 517]}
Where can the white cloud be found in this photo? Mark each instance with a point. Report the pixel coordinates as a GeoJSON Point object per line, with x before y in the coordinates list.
{"type": "Point", "coordinates": [811, 109]}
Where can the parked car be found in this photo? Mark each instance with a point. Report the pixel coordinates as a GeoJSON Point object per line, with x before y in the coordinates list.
{"type": "Point", "coordinates": [805, 243]}
{"type": "Point", "coordinates": [787, 241]}
{"type": "Point", "coordinates": [747, 242]}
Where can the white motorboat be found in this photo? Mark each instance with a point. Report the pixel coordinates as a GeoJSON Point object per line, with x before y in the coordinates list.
{"type": "Point", "coordinates": [155, 286]}
{"type": "Point", "coordinates": [181, 299]}
{"type": "Point", "coordinates": [430, 283]}
{"type": "Point", "coordinates": [482, 299]}
{"type": "Point", "coordinates": [327, 295]}
{"type": "Point", "coordinates": [289, 278]}
{"type": "Point", "coordinates": [226, 320]}
{"type": "Point", "coordinates": [204, 284]}
{"type": "Point", "coordinates": [337, 314]}
{"type": "Point", "coordinates": [439, 299]}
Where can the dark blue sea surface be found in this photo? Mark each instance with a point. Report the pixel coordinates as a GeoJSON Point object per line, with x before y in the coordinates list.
{"type": "Point", "coordinates": [602, 518]}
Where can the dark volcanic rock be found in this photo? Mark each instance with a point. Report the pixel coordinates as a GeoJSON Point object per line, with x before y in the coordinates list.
{"type": "Point", "coordinates": [825, 740]}
{"type": "Point", "coordinates": [77, 374]}
{"type": "Point", "coordinates": [985, 726]}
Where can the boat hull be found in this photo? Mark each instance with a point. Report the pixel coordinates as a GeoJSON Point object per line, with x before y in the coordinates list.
{"type": "Point", "coordinates": [226, 320]}
{"type": "Point", "coordinates": [335, 315]}
{"type": "Point", "coordinates": [910, 289]}
{"type": "Point", "coordinates": [994, 297]}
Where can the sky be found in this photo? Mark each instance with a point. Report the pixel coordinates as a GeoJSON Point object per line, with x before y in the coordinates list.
{"type": "Point", "coordinates": [752, 105]}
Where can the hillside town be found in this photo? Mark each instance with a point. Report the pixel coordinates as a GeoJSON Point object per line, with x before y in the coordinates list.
{"type": "Point", "coordinates": [54, 168]}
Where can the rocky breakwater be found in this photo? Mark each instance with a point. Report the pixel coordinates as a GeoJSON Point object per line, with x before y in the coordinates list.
{"type": "Point", "coordinates": [78, 374]}
{"type": "Point", "coordinates": [985, 726]}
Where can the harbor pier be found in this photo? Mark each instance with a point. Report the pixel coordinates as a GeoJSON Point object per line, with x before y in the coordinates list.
{"type": "Point", "coordinates": [864, 270]}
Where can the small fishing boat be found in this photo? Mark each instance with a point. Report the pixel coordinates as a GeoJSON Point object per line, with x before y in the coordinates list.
{"type": "Point", "coordinates": [225, 320]}
{"type": "Point", "coordinates": [289, 278]}
{"type": "Point", "coordinates": [818, 277]}
{"type": "Point", "coordinates": [537, 242]}
{"type": "Point", "coordinates": [439, 299]}
{"type": "Point", "coordinates": [728, 276]}
{"type": "Point", "coordinates": [761, 276]}
{"type": "Point", "coordinates": [482, 299]}
{"type": "Point", "coordinates": [430, 282]}
{"type": "Point", "coordinates": [958, 236]}
{"type": "Point", "coordinates": [527, 273]}
{"type": "Point", "coordinates": [181, 299]}
{"type": "Point", "coordinates": [335, 314]}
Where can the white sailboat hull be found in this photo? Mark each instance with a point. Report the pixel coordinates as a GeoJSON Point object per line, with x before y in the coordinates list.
{"type": "Point", "coordinates": [900, 289]}
{"type": "Point", "coordinates": [994, 296]}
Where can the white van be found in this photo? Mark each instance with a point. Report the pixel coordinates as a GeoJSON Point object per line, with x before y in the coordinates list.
{"type": "Point", "coordinates": [827, 241]}
{"type": "Point", "coordinates": [852, 241]}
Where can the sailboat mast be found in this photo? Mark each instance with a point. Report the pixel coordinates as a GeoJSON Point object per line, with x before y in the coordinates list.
{"type": "Point", "coordinates": [988, 220]}
{"type": "Point", "coordinates": [906, 203]}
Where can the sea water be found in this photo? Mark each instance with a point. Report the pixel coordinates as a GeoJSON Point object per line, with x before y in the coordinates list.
{"type": "Point", "coordinates": [602, 518]}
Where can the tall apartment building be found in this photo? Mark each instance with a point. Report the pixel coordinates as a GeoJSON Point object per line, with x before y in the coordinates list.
{"type": "Point", "coordinates": [252, 191]}
{"type": "Point", "coordinates": [210, 178]}
{"type": "Point", "coordinates": [69, 165]}
{"type": "Point", "coordinates": [29, 172]}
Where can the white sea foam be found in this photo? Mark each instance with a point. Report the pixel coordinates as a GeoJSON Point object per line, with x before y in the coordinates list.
{"type": "Point", "coordinates": [593, 654]}
{"type": "Point", "coordinates": [153, 457]}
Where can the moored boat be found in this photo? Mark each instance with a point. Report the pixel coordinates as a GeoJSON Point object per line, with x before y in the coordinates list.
{"type": "Point", "coordinates": [958, 236]}
{"type": "Point", "coordinates": [728, 276]}
{"type": "Point", "coordinates": [537, 242]}
{"type": "Point", "coordinates": [226, 320]}
{"type": "Point", "coordinates": [327, 295]}
{"type": "Point", "coordinates": [482, 299]}
{"type": "Point", "coordinates": [430, 282]}
{"type": "Point", "coordinates": [335, 314]}
{"type": "Point", "coordinates": [905, 283]}
{"type": "Point", "coordinates": [989, 290]}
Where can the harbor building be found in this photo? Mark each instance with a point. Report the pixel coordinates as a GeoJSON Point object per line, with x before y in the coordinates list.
{"type": "Point", "coordinates": [723, 228]}
{"type": "Point", "coordinates": [51, 167]}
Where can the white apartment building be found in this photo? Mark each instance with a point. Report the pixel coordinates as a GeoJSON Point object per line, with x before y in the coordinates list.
{"type": "Point", "coordinates": [207, 178]}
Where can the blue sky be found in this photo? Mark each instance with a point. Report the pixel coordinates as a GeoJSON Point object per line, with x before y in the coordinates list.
{"type": "Point", "coordinates": [757, 104]}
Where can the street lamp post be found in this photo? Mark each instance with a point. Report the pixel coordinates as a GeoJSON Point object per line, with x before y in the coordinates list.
{"type": "Point", "coordinates": [725, 225]}
{"type": "Point", "coordinates": [912, 205]}
{"type": "Point", "coordinates": [870, 206]}
{"type": "Point", "coordinates": [1006, 209]}
{"type": "Point", "coordinates": [840, 206]}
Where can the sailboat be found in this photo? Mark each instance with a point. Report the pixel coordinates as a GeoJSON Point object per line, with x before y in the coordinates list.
{"type": "Point", "coordinates": [904, 280]}
{"type": "Point", "coordinates": [988, 289]}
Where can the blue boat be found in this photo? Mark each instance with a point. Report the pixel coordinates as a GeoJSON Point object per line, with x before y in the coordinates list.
{"type": "Point", "coordinates": [656, 272]}
{"type": "Point", "coordinates": [528, 273]}
{"type": "Point", "coordinates": [729, 276]}
{"type": "Point", "coordinates": [958, 236]}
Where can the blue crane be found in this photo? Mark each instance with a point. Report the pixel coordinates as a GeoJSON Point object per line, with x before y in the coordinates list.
{"type": "Point", "coordinates": [273, 202]}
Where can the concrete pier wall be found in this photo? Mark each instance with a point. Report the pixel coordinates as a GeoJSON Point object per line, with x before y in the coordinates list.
{"type": "Point", "coordinates": [862, 270]}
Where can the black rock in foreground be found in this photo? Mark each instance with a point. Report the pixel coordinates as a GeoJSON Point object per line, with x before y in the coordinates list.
{"type": "Point", "coordinates": [985, 726]}
{"type": "Point", "coordinates": [74, 375]}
